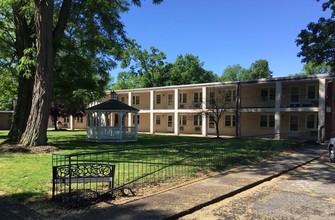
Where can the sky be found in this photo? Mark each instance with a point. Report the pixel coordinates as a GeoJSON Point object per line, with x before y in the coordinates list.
{"type": "Point", "coordinates": [225, 32]}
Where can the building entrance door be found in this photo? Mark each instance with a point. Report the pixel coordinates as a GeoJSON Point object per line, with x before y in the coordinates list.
{"type": "Point", "coordinates": [170, 123]}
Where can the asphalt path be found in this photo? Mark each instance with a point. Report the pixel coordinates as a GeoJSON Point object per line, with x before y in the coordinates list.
{"type": "Point", "coordinates": [304, 193]}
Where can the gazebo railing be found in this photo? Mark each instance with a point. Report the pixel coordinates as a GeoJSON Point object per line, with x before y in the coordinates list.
{"type": "Point", "coordinates": [105, 134]}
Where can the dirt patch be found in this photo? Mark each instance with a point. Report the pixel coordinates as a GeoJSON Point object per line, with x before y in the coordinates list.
{"type": "Point", "coordinates": [16, 148]}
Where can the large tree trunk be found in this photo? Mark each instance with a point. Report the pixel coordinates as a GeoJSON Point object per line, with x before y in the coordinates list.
{"type": "Point", "coordinates": [23, 41]}
{"type": "Point", "coordinates": [36, 130]}
{"type": "Point", "coordinates": [22, 109]}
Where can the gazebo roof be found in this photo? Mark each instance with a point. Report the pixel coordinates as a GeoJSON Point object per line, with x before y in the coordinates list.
{"type": "Point", "coordinates": [112, 105]}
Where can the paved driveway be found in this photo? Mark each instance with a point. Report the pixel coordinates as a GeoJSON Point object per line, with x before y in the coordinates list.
{"type": "Point", "coordinates": [305, 193]}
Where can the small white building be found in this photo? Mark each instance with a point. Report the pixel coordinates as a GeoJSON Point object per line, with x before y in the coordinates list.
{"type": "Point", "coordinates": [106, 122]}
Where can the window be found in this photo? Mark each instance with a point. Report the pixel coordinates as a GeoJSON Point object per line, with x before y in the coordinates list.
{"type": "Point", "coordinates": [294, 123]}
{"type": "Point", "coordinates": [158, 119]}
{"type": "Point", "coordinates": [312, 121]}
{"type": "Point", "coordinates": [170, 99]}
{"type": "Point", "coordinates": [268, 94]}
{"type": "Point", "coordinates": [183, 98]}
{"type": "Point", "coordinates": [197, 120]}
{"type": "Point", "coordinates": [197, 97]}
{"type": "Point", "coordinates": [158, 99]}
{"type": "Point", "coordinates": [182, 120]}
{"type": "Point", "coordinates": [312, 92]}
{"type": "Point", "coordinates": [229, 120]}
{"type": "Point", "coordinates": [80, 119]}
{"type": "Point", "coordinates": [267, 121]}
{"type": "Point", "coordinates": [66, 119]}
{"type": "Point", "coordinates": [211, 122]}
{"type": "Point", "coordinates": [123, 99]}
{"type": "Point", "coordinates": [138, 119]}
{"type": "Point", "coordinates": [136, 100]}
{"type": "Point", "coordinates": [211, 98]}
{"type": "Point", "coordinates": [294, 94]}
{"type": "Point", "coordinates": [230, 95]}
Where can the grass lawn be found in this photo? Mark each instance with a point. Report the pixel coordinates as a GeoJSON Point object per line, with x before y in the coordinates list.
{"type": "Point", "coordinates": [27, 177]}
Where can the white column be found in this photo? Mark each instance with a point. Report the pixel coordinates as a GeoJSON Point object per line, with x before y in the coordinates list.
{"type": "Point", "coordinates": [203, 108]}
{"type": "Point", "coordinates": [176, 115]}
{"type": "Point", "coordinates": [152, 131]}
{"type": "Point", "coordinates": [71, 123]}
{"type": "Point", "coordinates": [277, 110]}
{"type": "Point", "coordinates": [322, 108]}
{"type": "Point", "coordinates": [129, 98]}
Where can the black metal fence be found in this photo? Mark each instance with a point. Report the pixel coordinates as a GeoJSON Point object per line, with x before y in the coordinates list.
{"type": "Point", "coordinates": [138, 167]}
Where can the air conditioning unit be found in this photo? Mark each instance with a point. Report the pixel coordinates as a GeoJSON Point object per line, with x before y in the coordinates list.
{"type": "Point", "coordinates": [197, 105]}
{"type": "Point", "coordinates": [197, 129]}
{"type": "Point", "coordinates": [181, 106]}
{"type": "Point", "coordinates": [181, 128]}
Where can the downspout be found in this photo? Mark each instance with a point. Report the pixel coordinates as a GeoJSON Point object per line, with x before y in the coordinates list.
{"type": "Point", "coordinates": [237, 110]}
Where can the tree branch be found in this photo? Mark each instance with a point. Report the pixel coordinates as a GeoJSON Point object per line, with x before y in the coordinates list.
{"type": "Point", "coordinates": [62, 21]}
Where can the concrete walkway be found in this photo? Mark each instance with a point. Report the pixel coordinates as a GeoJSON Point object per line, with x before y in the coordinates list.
{"type": "Point", "coordinates": [186, 199]}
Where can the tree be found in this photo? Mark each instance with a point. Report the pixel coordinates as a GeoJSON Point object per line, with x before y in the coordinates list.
{"type": "Point", "coordinates": [318, 40]}
{"type": "Point", "coordinates": [232, 73]}
{"type": "Point", "coordinates": [40, 26]}
{"type": "Point", "coordinates": [258, 70]}
{"type": "Point", "coordinates": [8, 85]}
{"type": "Point", "coordinates": [312, 69]}
{"type": "Point", "coordinates": [189, 70]}
{"type": "Point", "coordinates": [127, 80]}
{"type": "Point", "coordinates": [215, 107]}
{"type": "Point", "coordinates": [146, 65]}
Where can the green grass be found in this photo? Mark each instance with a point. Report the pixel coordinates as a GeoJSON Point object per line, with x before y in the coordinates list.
{"type": "Point", "coordinates": [27, 177]}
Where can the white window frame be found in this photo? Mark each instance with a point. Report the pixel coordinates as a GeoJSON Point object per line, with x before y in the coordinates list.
{"type": "Point", "coordinates": [212, 97]}
{"type": "Point", "coordinates": [230, 95]}
{"type": "Point", "coordinates": [229, 120]}
{"type": "Point", "coordinates": [158, 119]}
{"type": "Point", "coordinates": [197, 120]}
{"type": "Point", "coordinates": [298, 95]}
{"type": "Point", "coordinates": [316, 91]}
{"type": "Point", "coordinates": [170, 99]}
{"type": "Point", "coordinates": [269, 92]}
{"type": "Point", "coordinates": [183, 120]}
{"type": "Point", "coordinates": [136, 100]}
{"type": "Point", "coordinates": [267, 117]}
{"type": "Point", "coordinates": [183, 98]}
{"type": "Point", "coordinates": [158, 99]}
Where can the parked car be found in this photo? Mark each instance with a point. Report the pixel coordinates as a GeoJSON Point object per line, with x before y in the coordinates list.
{"type": "Point", "coordinates": [331, 150]}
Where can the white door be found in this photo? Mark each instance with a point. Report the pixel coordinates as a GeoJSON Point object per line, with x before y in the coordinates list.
{"type": "Point", "coordinates": [211, 125]}
{"type": "Point", "coordinates": [170, 123]}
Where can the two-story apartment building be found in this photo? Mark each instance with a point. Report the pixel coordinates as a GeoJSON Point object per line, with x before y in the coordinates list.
{"type": "Point", "coordinates": [285, 107]}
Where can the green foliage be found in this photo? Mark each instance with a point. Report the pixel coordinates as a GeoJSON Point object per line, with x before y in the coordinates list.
{"type": "Point", "coordinates": [258, 70]}
{"type": "Point", "coordinates": [313, 69]}
{"type": "Point", "coordinates": [8, 86]}
{"type": "Point", "coordinates": [146, 67]}
{"type": "Point", "coordinates": [232, 73]}
{"type": "Point", "coordinates": [317, 41]}
{"type": "Point", "coordinates": [189, 69]}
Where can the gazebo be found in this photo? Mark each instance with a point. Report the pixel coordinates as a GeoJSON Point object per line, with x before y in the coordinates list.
{"type": "Point", "coordinates": [106, 121]}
